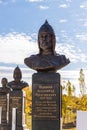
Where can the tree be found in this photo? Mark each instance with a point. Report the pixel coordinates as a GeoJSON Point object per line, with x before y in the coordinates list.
{"type": "Point", "coordinates": [69, 88]}
{"type": "Point", "coordinates": [82, 82]}
{"type": "Point", "coordinates": [82, 103]}
{"type": "Point", "coordinates": [28, 106]}
{"type": "Point", "coordinates": [73, 89]}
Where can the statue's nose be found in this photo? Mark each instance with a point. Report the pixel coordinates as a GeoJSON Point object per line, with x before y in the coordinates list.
{"type": "Point", "coordinates": [44, 38]}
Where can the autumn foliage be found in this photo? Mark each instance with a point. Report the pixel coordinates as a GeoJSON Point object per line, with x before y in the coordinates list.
{"type": "Point", "coordinates": [28, 106]}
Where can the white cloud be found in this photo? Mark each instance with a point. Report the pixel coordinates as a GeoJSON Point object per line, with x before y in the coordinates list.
{"type": "Point", "coordinates": [71, 52]}
{"type": "Point", "coordinates": [84, 5]}
{"type": "Point", "coordinates": [15, 47]}
{"type": "Point", "coordinates": [85, 24]}
{"type": "Point", "coordinates": [69, 0]}
{"type": "Point", "coordinates": [73, 74]}
{"type": "Point", "coordinates": [63, 20]}
{"type": "Point", "coordinates": [44, 7]}
{"type": "Point", "coordinates": [82, 36]}
{"type": "Point", "coordinates": [83, 21]}
{"type": "Point", "coordinates": [63, 5]}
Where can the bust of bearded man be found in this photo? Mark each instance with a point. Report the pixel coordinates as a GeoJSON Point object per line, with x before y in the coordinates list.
{"type": "Point", "coordinates": [47, 59]}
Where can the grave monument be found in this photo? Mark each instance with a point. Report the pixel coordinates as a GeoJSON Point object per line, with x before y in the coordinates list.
{"type": "Point", "coordinates": [46, 90]}
{"type": "Point", "coordinates": [17, 102]}
{"type": "Point", "coordinates": [4, 108]}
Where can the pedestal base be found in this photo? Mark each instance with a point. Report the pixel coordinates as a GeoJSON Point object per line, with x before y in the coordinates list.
{"type": "Point", "coordinates": [3, 127]}
{"type": "Point", "coordinates": [46, 101]}
{"type": "Point", "coordinates": [17, 128]}
{"type": "Point", "coordinates": [17, 102]}
{"type": "Point", "coordinates": [46, 125]}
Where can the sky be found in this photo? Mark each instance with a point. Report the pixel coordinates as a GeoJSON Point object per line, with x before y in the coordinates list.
{"type": "Point", "coordinates": [20, 21]}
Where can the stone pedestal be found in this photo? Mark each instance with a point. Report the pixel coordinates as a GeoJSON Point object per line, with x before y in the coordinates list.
{"type": "Point", "coordinates": [4, 110]}
{"type": "Point", "coordinates": [16, 100]}
{"type": "Point", "coordinates": [46, 101]}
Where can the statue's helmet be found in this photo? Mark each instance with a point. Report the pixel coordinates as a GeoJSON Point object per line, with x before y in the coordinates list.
{"type": "Point", "coordinates": [46, 27]}
{"type": "Point", "coordinates": [17, 75]}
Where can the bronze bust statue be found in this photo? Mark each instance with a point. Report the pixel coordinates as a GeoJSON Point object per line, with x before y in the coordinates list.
{"type": "Point", "coordinates": [4, 88]}
{"type": "Point", "coordinates": [17, 84]}
{"type": "Point", "coordinates": [47, 59]}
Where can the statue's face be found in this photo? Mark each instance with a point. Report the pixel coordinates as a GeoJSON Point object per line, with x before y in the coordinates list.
{"type": "Point", "coordinates": [4, 82]}
{"type": "Point", "coordinates": [45, 40]}
{"type": "Point", "coordinates": [17, 77]}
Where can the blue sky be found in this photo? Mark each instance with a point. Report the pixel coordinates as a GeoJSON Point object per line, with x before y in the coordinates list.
{"type": "Point", "coordinates": [20, 21]}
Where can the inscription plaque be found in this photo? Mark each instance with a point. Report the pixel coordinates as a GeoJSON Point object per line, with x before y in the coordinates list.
{"type": "Point", "coordinates": [46, 104]}
{"type": "Point", "coordinates": [4, 98]}
{"type": "Point", "coordinates": [3, 104]}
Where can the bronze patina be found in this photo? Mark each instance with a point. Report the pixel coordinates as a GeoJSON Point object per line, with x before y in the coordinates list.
{"type": "Point", "coordinates": [4, 88]}
{"type": "Point", "coordinates": [17, 84]}
{"type": "Point", "coordinates": [47, 59]}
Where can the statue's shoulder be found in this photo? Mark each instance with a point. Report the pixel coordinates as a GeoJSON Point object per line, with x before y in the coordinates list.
{"type": "Point", "coordinates": [5, 89]}
{"type": "Point", "coordinates": [34, 57]}
{"type": "Point", "coordinates": [24, 83]}
{"type": "Point", "coordinates": [30, 61]}
{"type": "Point", "coordinates": [62, 57]}
{"type": "Point", "coordinates": [10, 83]}
{"type": "Point", "coordinates": [30, 58]}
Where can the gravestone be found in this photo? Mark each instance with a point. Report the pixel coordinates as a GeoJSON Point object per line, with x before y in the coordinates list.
{"type": "Point", "coordinates": [46, 90]}
{"type": "Point", "coordinates": [46, 101]}
{"type": "Point", "coordinates": [17, 100]}
{"type": "Point", "coordinates": [4, 99]}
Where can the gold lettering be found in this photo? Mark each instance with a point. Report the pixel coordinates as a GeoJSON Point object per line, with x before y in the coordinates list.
{"type": "Point", "coordinates": [45, 87]}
